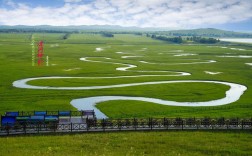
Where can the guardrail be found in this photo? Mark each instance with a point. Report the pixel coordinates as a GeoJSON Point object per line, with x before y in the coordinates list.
{"type": "Point", "coordinates": [93, 125]}
{"type": "Point", "coordinates": [59, 113]}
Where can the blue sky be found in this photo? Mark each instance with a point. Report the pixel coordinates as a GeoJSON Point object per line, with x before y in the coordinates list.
{"type": "Point", "coordinates": [173, 14]}
{"type": "Point", "coordinates": [245, 26]}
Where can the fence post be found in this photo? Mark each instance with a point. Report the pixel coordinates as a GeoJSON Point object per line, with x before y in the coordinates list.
{"type": "Point", "coordinates": [54, 126]}
{"type": "Point", "coordinates": [135, 123]}
{"type": "Point", "coordinates": [227, 124]}
{"type": "Point", "coordinates": [103, 124]}
{"type": "Point", "coordinates": [24, 127]}
{"type": "Point", "coordinates": [167, 123]}
{"type": "Point", "coordinates": [38, 127]}
{"type": "Point", "coordinates": [150, 123]}
{"type": "Point", "coordinates": [7, 129]}
{"type": "Point", "coordinates": [251, 123]}
{"type": "Point", "coordinates": [87, 122]}
{"type": "Point", "coordinates": [119, 124]}
{"type": "Point", "coordinates": [182, 122]}
{"type": "Point", "coordinates": [198, 125]}
{"type": "Point", "coordinates": [71, 126]}
{"type": "Point", "coordinates": [242, 124]}
{"type": "Point", "coordinates": [212, 123]}
{"type": "Point", "coordinates": [237, 122]}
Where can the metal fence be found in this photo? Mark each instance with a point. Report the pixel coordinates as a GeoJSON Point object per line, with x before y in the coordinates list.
{"type": "Point", "coordinates": [69, 113]}
{"type": "Point", "coordinates": [93, 125]}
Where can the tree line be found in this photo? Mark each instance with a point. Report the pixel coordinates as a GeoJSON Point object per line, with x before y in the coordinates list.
{"type": "Point", "coordinates": [107, 34]}
{"type": "Point", "coordinates": [66, 36]}
{"type": "Point", "coordinates": [203, 40]}
{"type": "Point", "coordinates": [164, 38]}
{"type": "Point", "coordinates": [179, 39]}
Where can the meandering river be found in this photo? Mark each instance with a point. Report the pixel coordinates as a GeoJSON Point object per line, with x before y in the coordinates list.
{"type": "Point", "coordinates": [232, 95]}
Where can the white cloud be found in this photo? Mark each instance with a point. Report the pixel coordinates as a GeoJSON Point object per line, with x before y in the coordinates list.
{"type": "Point", "coordinates": [143, 13]}
{"type": "Point", "coordinates": [9, 3]}
{"type": "Point", "coordinates": [72, 1]}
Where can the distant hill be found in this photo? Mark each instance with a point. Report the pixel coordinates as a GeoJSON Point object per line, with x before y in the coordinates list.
{"type": "Point", "coordinates": [77, 28]}
{"type": "Point", "coordinates": [208, 32]}
{"type": "Point", "coordinates": [205, 32]}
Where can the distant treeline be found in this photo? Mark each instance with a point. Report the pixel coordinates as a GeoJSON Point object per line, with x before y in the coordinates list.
{"type": "Point", "coordinates": [179, 39]}
{"type": "Point", "coordinates": [203, 40]}
{"type": "Point", "coordinates": [169, 39]}
{"type": "Point", "coordinates": [107, 34]}
{"type": "Point", "coordinates": [66, 36]}
{"type": "Point", "coordinates": [203, 32]}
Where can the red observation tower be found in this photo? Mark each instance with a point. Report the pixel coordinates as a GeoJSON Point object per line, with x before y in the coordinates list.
{"type": "Point", "coordinates": [40, 53]}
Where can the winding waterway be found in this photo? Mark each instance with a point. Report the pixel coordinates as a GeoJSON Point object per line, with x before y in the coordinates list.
{"type": "Point", "coordinates": [232, 95]}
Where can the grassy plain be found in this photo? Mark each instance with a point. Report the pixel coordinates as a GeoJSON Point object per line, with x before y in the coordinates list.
{"type": "Point", "coordinates": [15, 64]}
{"type": "Point", "coordinates": [64, 61]}
{"type": "Point", "coordinates": [173, 143]}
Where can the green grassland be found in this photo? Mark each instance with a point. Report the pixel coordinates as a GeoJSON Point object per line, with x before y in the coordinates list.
{"type": "Point", "coordinates": [16, 63]}
{"type": "Point", "coordinates": [173, 143]}
{"type": "Point", "coordinates": [64, 55]}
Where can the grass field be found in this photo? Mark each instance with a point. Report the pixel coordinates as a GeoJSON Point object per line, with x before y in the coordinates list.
{"type": "Point", "coordinates": [16, 63]}
{"type": "Point", "coordinates": [64, 61]}
{"type": "Point", "coordinates": [171, 143]}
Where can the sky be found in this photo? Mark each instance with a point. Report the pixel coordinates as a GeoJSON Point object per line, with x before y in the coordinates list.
{"type": "Point", "coordinates": [171, 14]}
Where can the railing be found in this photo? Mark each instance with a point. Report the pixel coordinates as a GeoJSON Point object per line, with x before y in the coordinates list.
{"type": "Point", "coordinates": [93, 125]}
{"type": "Point", "coordinates": [30, 113]}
